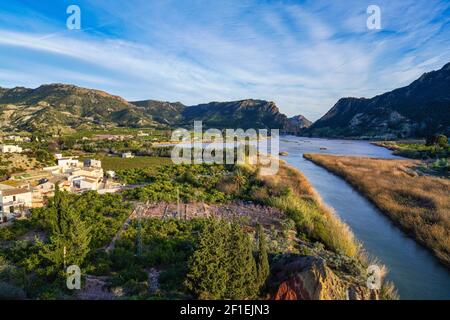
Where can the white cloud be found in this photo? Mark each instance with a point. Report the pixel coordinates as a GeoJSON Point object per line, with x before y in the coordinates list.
{"type": "Point", "coordinates": [294, 55]}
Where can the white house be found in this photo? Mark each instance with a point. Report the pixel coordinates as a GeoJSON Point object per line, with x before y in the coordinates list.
{"type": "Point", "coordinates": [127, 155]}
{"type": "Point", "coordinates": [68, 162]}
{"type": "Point", "coordinates": [9, 148]}
{"type": "Point", "coordinates": [15, 200]}
{"type": "Point", "coordinates": [84, 183]}
{"type": "Point", "coordinates": [92, 163]}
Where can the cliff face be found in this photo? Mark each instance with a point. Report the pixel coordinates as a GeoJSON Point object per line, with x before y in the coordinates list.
{"type": "Point", "coordinates": [417, 110]}
{"type": "Point", "coordinates": [310, 278]}
{"type": "Point", "coordinates": [245, 114]}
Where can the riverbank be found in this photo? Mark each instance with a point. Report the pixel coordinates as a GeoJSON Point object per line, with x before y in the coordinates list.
{"type": "Point", "coordinates": [414, 149]}
{"type": "Point", "coordinates": [418, 204]}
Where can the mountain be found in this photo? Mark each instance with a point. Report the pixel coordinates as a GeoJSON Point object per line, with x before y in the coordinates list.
{"type": "Point", "coordinates": [57, 107]}
{"type": "Point", "coordinates": [417, 110]}
{"type": "Point", "coordinates": [245, 114]}
{"type": "Point", "coordinates": [162, 111]}
{"type": "Point", "coordinates": [300, 121]}
{"type": "Point", "coordinates": [60, 108]}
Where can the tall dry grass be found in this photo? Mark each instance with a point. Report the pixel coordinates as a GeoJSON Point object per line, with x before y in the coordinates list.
{"type": "Point", "coordinates": [420, 205]}
{"type": "Point", "coordinates": [304, 206]}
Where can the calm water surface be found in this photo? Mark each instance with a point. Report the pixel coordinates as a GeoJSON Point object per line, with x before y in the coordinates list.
{"type": "Point", "coordinates": [413, 269]}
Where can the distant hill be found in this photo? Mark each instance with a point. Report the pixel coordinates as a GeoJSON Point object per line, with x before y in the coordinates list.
{"type": "Point", "coordinates": [249, 113]}
{"type": "Point", "coordinates": [417, 110]}
{"type": "Point", "coordinates": [258, 114]}
{"type": "Point", "coordinates": [57, 108]}
{"type": "Point", "coordinates": [60, 107]}
{"type": "Point", "coordinates": [300, 121]}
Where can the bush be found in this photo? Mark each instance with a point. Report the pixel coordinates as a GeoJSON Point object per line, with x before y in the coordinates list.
{"type": "Point", "coordinates": [223, 266]}
{"type": "Point", "coordinates": [437, 140]}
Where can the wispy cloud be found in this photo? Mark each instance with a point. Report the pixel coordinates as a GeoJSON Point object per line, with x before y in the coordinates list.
{"type": "Point", "coordinates": [302, 56]}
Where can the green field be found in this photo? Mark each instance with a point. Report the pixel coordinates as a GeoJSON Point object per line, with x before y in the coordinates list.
{"type": "Point", "coordinates": [117, 163]}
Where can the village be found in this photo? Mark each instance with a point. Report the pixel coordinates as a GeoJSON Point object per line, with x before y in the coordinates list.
{"type": "Point", "coordinates": [30, 189]}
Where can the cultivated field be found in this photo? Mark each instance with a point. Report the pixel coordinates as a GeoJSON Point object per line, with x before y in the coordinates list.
{"type": "Point", "coordinates": [419, 204]}
{"type": "Point", "coordinates": [117, 163]}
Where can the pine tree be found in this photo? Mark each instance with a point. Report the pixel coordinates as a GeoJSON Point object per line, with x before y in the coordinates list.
{"type": "Point", "coordinates": [241, 265]}
{"type": "Point", "coordinates": [69, 236]}
{"type": "Point", "coordinates": [208, 272]}
{"type": "Point", "coordinates": [262, 260]}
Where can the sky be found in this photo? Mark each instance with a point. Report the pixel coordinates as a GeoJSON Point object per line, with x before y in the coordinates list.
{"type": "Point", "coordinates": [303, 55]}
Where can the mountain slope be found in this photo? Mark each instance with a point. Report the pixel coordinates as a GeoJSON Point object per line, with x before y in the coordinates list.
{"type": "Point", "coordinates": [300, 121]}
{"type": "Point", "coordinates": [417, 110]}
{"type": "Point", "coordinates": [245, 114]}
{"type": "Point", "coordinates": [57, 107]}
{"type": "Point", "coordinates": [162, 111]}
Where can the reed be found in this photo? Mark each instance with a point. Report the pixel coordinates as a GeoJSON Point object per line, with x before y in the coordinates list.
{"type": "Point", "coordinates": [419, 204]}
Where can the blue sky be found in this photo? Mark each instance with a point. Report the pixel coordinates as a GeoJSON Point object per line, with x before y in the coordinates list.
{"type": "Point", "coordinates": [304, 55]}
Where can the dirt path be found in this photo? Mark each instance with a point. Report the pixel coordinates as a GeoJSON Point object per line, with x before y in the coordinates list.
{"type": "Point", "coordinates": [112, 244]}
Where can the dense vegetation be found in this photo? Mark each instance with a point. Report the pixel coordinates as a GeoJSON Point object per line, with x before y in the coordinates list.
{"type": "Point", "coordinates": [198, 258]}
{"type": "Point", "coordinates": [187, 183]}
{"type": "Point", "coordinates": [435, 147]}
{"type": "Point", "coordinates": [82, 224]}
{"type": "Point", "coordinates": [204, 258]}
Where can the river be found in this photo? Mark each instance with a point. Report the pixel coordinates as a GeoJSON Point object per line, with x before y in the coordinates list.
{"type": "Point", "coordinates": [415, 272]}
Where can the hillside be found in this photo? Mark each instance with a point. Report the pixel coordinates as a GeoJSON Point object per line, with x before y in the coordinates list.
{"type": "Point", "coordinates": [60, 107]}
{"type": "Point", "coordinates": [249, 113]}
{"type": "Point", "coordinates": [258, 114]}
{"type": "Point", "coordinates": [417, 110]}
{"type": "Point", "coordinates": [300, 121]}
{"type": "Point", "coordinates": [161, 111]}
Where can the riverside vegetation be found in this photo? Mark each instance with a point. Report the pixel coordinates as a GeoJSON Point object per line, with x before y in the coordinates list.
{"type": "Point", "coordinates": [237, 255]}
{"type": "Point", "coordinates": [418, 203]}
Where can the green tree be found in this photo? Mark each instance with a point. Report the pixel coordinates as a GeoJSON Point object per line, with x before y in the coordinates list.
{"type": "Point", "coordinates": [241, 266]}
{"type": "Point", "coordinates": [239, 179]}
{"type": "Point", "coordinates": [208, 271]}
{"type": "Point", "coordinates": [69, 236]}
{"type": "Point", "coordinates": [262, 260]}
{"type": "Point", "coordinates": [437, 140]}
{"type": "Point", "coordinates": [441, 140]}
{"type": "Point", "coordinates": [223, 266]}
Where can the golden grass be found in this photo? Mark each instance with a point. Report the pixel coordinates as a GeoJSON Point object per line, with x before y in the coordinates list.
{"type": "Point", "coordinates": [303, 205]}
{"type": "Point", "coordinates": [420, 205]}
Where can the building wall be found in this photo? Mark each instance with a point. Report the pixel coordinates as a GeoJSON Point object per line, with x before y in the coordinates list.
{"type": "Point", "coordinates": [16, 200]}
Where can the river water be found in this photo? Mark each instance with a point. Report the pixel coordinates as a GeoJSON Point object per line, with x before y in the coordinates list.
{"type": "Point", "coordinates": [415, 272]}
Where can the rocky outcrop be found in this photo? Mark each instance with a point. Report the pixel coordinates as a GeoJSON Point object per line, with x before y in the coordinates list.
{"type": "Point", "coordinates": [309, 278]}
